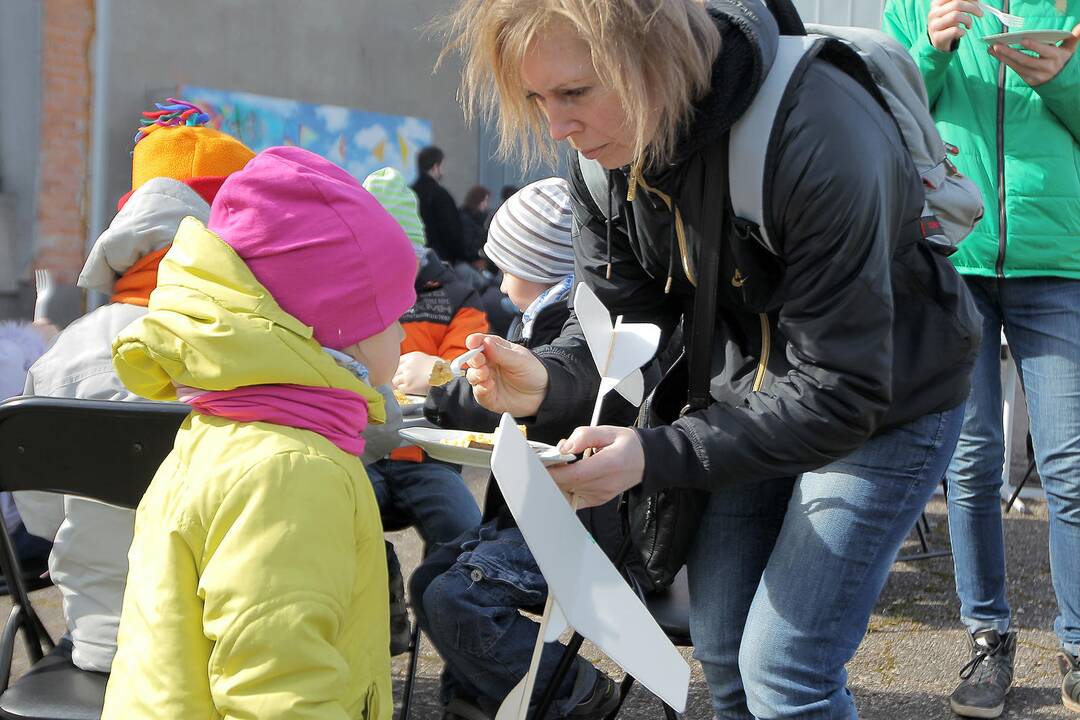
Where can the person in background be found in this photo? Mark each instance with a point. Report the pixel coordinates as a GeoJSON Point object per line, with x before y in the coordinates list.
{"type": "Point", "coordinates": [442, 222]}
{"type": "Point", "coordinates": [1013, 116]}
{"type": "Point", "coordinates": [474, 222]}
{"type": "Point", "coordinates": [177, 167]}
{"type": "Point", "coordinates": [507, 192]}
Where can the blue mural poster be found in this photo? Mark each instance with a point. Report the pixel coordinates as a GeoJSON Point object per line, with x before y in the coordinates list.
{"type": "Point", "coordinates": [359, 141]}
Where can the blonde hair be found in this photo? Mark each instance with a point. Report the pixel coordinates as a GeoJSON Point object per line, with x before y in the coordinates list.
{"type": "Point", "coordinates": [656, 55]}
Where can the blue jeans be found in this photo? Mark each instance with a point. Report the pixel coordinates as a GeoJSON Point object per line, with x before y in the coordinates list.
{"type": "Point", "coordinates": [1041, 319]}
{"type": "Point", "coordinates": [785, 573]}
{"type": "Point", "coordinates": [470, 593]}
{"type": "Point", "coordinates": [430, 496]}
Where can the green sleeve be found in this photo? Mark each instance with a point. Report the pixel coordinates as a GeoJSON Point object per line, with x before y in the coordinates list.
{"type": "Point", "coordinates": [1062, 95]}
{"type": "Point", "coordinates": [905, 22]}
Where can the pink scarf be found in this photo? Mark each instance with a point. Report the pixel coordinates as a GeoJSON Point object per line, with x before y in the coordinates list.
{"type": "Point", "coordinates": [338, 415]}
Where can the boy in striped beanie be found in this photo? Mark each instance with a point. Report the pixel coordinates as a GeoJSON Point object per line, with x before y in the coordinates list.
{"type": "Point", "coordinates": [529, 240]}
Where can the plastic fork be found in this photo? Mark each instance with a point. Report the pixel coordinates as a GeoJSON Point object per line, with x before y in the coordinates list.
{"type": "Point", "coordinates": [45, 290]}
{"type": "Point", "coordinates": [1014, 22]}
{"type": "Point", "coordinates": [457, 365]}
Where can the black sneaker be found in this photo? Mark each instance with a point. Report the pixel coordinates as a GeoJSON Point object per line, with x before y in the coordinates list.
{"type": "Point", "coordinates": [988, 676]}
{"type": "Point", "coordinates": [1070, 680]}
{"type": "Point", "coordinates": [400, 629]}
{"type": "Point", "coordinates": [603, 699]}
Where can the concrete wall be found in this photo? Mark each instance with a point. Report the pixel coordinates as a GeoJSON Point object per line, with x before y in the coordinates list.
{"type": "Point", "coordinates": [367, 54]}
{"type": "Point", "coordinates": [842, 12]}
{"type": "Point", "coordinates": [20, 93]}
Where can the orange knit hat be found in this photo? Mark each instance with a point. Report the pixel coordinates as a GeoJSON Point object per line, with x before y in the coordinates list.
{"type": "Point", "coordinates": [174, 143]}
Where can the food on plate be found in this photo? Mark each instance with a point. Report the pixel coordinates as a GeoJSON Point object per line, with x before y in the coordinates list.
{"type": "Point", "coordinates": [402, 398]}
{"type": "Point", "coordinates": [440, 373]}
{"type": "Point", "coordinates": [477, 440]}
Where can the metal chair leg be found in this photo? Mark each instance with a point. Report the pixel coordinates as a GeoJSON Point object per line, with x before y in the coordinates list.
{"type": "Point", "coordinates": [561, 671]}
{"type": "Point", "coordinates": [925, 552]}
{"type": "Point", "coordinates": [1023, 481]}
{"type": "Point", "coordinates": [410, 677]}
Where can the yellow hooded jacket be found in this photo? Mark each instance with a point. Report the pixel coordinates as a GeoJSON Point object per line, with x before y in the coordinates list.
{"type": "Point", "coordinates": [257, 585]}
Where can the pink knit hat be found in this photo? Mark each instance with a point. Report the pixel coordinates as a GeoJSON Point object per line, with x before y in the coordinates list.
{"type": "Point", "coordinates": [330, 255]}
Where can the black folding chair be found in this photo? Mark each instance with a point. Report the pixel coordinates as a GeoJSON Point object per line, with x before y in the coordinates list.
{"type": "Point", "coordinates": [107, 451]}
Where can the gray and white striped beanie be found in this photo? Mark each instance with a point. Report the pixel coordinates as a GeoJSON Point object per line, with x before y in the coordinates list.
{"type": "Point", "coordinates": [529, 236]}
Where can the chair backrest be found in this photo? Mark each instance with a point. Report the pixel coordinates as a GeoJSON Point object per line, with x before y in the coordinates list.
{"type": "Point", "coordinates": [107, 451]}
{"type": "Point", "coordinates": [104, 450]}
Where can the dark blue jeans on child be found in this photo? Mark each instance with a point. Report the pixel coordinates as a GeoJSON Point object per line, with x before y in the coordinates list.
{"type": "Point", "coordinates": [467, 596]}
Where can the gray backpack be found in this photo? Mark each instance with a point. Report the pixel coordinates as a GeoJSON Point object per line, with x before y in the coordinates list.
{"type": "Point", "coordinates": [953, 204]}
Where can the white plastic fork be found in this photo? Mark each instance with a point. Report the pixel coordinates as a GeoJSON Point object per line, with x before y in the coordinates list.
{"type": "Point", "coordinates": [1014, 22]}
{"type": "Point", "coordinates": [45, 289]}
{"type": "Point", "coordinates": [457, 365]}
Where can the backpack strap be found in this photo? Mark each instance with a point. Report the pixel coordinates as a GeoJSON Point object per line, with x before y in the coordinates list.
{"type": "Point", "coordinates": [752, 134]}
{"type": "Point", "coordinates": [787, 17]}
{"type": "Point", "coordinates": [699, 337]}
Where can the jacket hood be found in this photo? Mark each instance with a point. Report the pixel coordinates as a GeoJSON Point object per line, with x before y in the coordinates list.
{"type": "Point", "coordinates": [147, 223]}
{"type": "Point", "coordinates": [211, 325]}
{"type": "Point", "coordinates": [749, 39]}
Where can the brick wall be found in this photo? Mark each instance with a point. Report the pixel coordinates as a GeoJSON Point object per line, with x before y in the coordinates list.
{"type": "Point", "coordinates": [67, 91]}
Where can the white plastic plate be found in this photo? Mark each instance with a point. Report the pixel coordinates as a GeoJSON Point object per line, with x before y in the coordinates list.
{"type": "Point", "coordinates": [430, 439]}
{"type": "Point", "coordinates": [1050, 37]}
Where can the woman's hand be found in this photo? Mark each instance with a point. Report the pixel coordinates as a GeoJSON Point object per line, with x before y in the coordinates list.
{"type": "Point", "coordinates": [506, 377]}
{"type": "Point", "coordinates": [617, 464]}
{"type": "Point", "coordinates": [414, 373]}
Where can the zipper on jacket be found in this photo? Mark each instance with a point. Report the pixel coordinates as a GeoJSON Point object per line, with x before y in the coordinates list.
{"type": "Point", "coordinates": [766, 342]}
{"type": "Point", "coordinates": [1002, 220]}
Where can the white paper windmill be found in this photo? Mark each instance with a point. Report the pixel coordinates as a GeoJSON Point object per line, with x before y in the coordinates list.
{"type": "Point", "coordinates": [585, 589]}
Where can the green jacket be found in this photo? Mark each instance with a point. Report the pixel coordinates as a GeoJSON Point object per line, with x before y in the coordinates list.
{"type": "Point", "coordinates": [1021, 145]}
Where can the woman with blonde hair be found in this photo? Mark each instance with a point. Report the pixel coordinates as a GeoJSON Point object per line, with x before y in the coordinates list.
{"type": "Point", "coordinates": [842, 346]}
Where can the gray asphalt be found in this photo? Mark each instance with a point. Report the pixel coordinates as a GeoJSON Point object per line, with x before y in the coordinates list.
{"type": "Point", "coordinates": [906, 665]}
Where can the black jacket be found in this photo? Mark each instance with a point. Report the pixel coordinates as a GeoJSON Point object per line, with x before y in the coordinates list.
{"type": "Point", "coordinates": [858, 324]}
{"type": "Point", "coordinates": [473, 232]}
{"type": "Point", "coordinates": [442, 223]}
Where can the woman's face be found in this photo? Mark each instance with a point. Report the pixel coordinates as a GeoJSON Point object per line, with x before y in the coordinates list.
{"type": "Point", "coordinates": [558, 74]}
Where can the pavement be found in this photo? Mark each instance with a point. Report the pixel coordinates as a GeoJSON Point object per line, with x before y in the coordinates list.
{"type": "Point", "coordinates": [905, 667]}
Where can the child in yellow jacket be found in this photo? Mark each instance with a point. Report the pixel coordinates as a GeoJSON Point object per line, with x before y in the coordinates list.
{"type": "Point", "coordinates": [257, 581]}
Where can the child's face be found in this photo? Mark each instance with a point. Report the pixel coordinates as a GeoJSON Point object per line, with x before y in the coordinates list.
{"type": "Point", "coordinates": [521, 292]}
{"type": "Point", "coordinates": [379, 353]}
